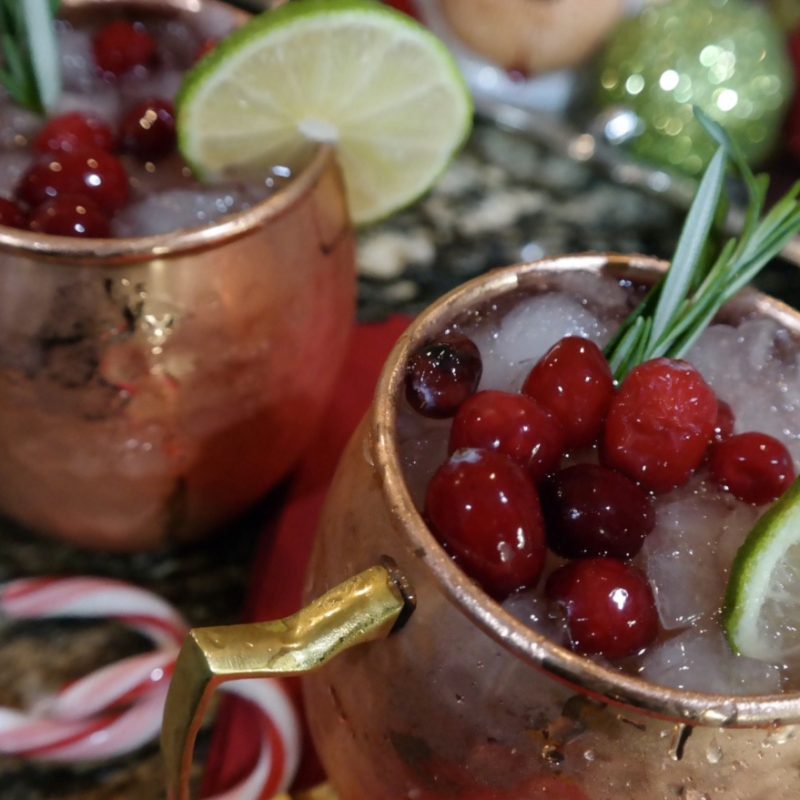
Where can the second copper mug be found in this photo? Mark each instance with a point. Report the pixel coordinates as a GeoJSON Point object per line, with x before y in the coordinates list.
{"type": "Point", "coordinates": [462, 700]}
{"type": "Point", "coordinates": [153, 388]}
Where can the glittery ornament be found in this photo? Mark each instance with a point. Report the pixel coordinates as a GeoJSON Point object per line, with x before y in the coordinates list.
{"type": "Point", "coordinates": [726, 56]}
{"type": "Point", "coordinates": [787, 12]}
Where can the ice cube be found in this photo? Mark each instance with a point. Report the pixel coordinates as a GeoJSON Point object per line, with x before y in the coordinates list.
{"type": "Point", "coordinates": [737, 524]}
{"type": "Point", "coordinates": [680, 555]}
{"type": "Point", "coordinates": [102, 102]}
{"type": "Point", "coordinates": [702, 661]}
{"type": "Point", "coordinates": [533, 610]}
{"type": "Point", "coordinates": [174, 210]}
{"type": "Point", "coordinates": [525, 333]}
{"type": "Point", "coordinates": [160, 84]}
{"type": "Point", "coordinates": [12, 164]}
{"type": "Point", "coordinates": [422, 443]}
{"type": "Point", "coordinates": [177, 43]}
{"type": "Point", "coordinates": [77, 60]}
{"type": "Point", "coordinates": [216, 21]}
{"type": "Point", "coordinates": [749, 368]}
{"type": "Point", "coordinates": [17, 125]}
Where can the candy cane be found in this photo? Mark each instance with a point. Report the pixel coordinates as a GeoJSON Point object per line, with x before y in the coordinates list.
{"type": "Point", "coordinates": [118, 708]}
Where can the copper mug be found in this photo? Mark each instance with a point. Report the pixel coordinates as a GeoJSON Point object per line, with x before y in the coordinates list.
{"type": "Point", "coordinates": [464, 701]}
{"type": "Point", "coordinates": [152, 388]}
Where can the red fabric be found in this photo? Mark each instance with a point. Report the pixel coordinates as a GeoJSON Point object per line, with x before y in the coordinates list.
{"type": "Point", "coordinates": [285, 547]}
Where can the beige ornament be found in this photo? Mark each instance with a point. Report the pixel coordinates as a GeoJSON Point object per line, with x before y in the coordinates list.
{"type": "Point", "coordinates": [533, 36]}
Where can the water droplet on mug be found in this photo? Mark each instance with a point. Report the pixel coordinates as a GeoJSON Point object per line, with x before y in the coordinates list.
{"type": "Point", "coordinates": [713, 753]}
{"type": "Point", "coordinates": [781, 735]}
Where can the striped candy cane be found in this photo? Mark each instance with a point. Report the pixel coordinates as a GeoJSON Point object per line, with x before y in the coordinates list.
{"type": "Point", "coordinates": [119, 708]}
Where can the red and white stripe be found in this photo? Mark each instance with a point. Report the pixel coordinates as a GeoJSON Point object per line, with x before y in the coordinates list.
{"type": "Point", "coordinates": [119, 708]}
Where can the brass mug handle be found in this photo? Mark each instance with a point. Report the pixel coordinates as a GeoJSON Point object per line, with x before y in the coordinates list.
{"type": "Point", "coordinates": [366, 607]}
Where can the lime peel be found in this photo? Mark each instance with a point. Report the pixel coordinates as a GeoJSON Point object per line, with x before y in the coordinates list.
{"type": "Point", "coordinates": [316, 71]}
{"type": "Point", "coordinates": [761, 617]}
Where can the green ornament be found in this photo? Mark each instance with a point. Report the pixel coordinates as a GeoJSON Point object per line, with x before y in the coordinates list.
{"type": "Point", "coordinates": [726, 56]}
{"type": "Point", "coordinates": [787, 12]}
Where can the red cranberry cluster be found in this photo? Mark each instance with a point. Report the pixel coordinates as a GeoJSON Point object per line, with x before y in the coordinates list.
{"type": "Point", "coordinates": [501, 500]}
{"type": "Point", "coordinates": [78, 181]}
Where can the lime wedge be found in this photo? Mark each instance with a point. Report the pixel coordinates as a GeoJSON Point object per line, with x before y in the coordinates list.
{"type": "Point", "coordinates": [762, 605]}
{"type": "Point", "coordinates": [355, 73]}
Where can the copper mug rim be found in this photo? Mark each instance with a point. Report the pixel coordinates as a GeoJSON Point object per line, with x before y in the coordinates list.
{"type": "Point", "coordinates": [531, 647]}
{"type": "Point", "coordinates": [130, 250]}
{"type": "Point", "coordinates": [60, 250]}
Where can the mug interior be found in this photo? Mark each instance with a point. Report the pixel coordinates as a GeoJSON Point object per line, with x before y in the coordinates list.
{"type": "Point", "coordinates": [577, 671]}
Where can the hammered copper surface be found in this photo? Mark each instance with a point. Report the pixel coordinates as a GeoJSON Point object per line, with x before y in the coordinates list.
{"type": "Point", "coordinates": [466, 702]}
{"type": "Point", "coordinates": [153, 388]}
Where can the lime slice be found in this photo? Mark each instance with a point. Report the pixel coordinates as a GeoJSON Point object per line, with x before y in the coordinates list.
{"type": "Point", "coordinates": [762, 605]}
{"type": "Point", "coordinates": [355, 73]}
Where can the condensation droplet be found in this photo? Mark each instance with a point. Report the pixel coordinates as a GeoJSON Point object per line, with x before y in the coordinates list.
{"type": "Point", "coordinates": [714, 752]}
{"type": "Point", "coordinates": [781, 735]}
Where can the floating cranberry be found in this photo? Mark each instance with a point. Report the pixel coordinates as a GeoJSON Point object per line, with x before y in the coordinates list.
{"type": "Point", "coordinates": [512, 424]}
{"type": "Point", "coordinates": [11, 215]}
{"type": "Point", "coordinates": [206, 47]}
{"type": "Point", "coordinates": [92, 173]}
{"type": "Point", "coordinates": [574, 381]}
{"type": "Point", "coordinates": [74, 131]}
{"type": "Point", "coordinates": [591, 510]}
{"type": "Point", "coordinates": [441, 375]}
{"type": "Point", "coordinates": [485, 511]}
{"type": "Point", "coordinates": [148, 129]}
{"type": "Point", "coordinates": [754, 467]}
{"type": "Point", "coordinates": [726, 420]}
{"type": "Point", "coordinates": [660, 424]}
{"type": "Point", "coordinates": [70, 215]}
{"type": "Point", "coordinates": [608, 605]}
{"type": "Point", "coordinates": [121, 46]}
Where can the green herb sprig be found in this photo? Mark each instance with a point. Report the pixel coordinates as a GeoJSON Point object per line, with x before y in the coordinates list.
{"type": "Point", "coordinates": [30, 68]}
{"type": "Point", "coordinates": [682, 304]}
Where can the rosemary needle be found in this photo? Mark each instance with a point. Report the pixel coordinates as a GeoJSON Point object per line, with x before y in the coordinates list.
{"type": "Point", "coordinates": [682, 304]}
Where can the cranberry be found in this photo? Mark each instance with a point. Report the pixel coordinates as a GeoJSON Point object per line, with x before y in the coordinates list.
{"type": "Point", "coordinates": [591, 510]}
{"type": "Point", "coordinates": [121, 46]}
{"type": "Point", "coordinates": [574, 381]}
{"type": "Point", "coordinates": [406, 6]}
{"type": "Point", "coordinates": [512, 424]}
{"type": "Point", "coordinates": [660, 424]}
{"type": "Point", "coordinates": [609, 606]}
{"type": "Point", "coordinates": [726, 420]}
{"type": "Point", "coordinates": [148, 129]}
{"type": "Point", "coordinates": [74, 131]}
{"type": "Point", "coordinates": [441, 375]}
{"type": "Point", "coordinates": [206, 47]}
{"type": "Point", "coordinates": [754, 467]}
{"type": "Point", "coordinates": [11, 215]}
{"type": "Point", "coordinates": [93, 173]}
{"type": "Point", "coordinates": [70, 215]}
{"type": "Point", "coordinates": [485, 511]}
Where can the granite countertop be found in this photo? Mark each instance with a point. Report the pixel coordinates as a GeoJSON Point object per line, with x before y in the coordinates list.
{"type": "Point", "coordinates": [503, 200]}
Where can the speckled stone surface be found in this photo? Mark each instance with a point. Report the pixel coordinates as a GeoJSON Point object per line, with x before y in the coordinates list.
{"type": "Point", "coordinates": [502, 201]}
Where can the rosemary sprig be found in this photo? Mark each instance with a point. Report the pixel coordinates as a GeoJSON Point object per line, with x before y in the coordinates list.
{"type": "Point", "coordinates": [30, 68]}
{"type": "Point", "coordinates": [682, 304]}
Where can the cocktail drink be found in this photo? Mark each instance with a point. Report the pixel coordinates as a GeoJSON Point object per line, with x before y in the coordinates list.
{"type": "Point", "coordinates": [627, 506]}
{"type": "Point", "coordinates": [161, 367]}
{"type": "Point", "coordinates": [488, 692]}
{"type": "Point", "coordinates": [578, 479]}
